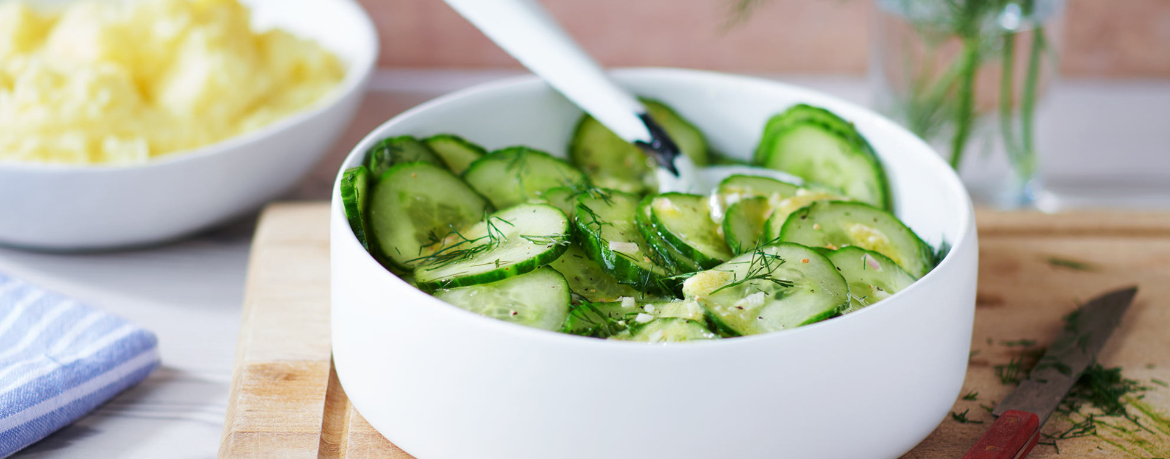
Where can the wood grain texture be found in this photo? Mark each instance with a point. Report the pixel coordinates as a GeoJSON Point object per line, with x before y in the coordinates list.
{"type": "Point", "coordinates": [1120, 38]}
{"type": "Point", "coordinates": [286, 401]}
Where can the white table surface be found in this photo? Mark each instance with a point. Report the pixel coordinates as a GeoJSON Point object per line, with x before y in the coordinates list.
{"type": "Point", "coordinates": [190, 292]}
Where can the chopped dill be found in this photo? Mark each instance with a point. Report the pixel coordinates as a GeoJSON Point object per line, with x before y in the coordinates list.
{"type": "Point", "coordinates": [961, 418]}
{"type": "Point", "coordinates": [1159, 382]}
{"type": "Point", "coordinates": [1009, 373]}
{"type": "Point", "coordinates": [1075, 265]}
{"type": "Point", "coordinates": [1019, 343]}
{"type": "Point", "coordinates": [1103, 388]}
{"type": "Point", "coordinates": [971, 395]}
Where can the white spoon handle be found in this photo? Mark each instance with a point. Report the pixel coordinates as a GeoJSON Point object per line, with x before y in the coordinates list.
{"type": "Point", "coordinates": [526, 31]}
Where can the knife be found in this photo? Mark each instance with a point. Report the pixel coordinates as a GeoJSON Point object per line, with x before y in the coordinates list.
{"type": "Point", "coordinates": [1020, 416]}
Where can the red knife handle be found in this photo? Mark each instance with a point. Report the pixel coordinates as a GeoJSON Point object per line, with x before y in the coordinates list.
{"type": "Point", "coordinates": [1012, 436]}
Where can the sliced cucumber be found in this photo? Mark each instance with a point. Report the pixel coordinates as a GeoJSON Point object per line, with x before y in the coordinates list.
{"type": "Point", "coordinates": [611, 162]}
{"type": "Point", "coordinates": [802, 113]}
{"type": "Point", "coordinates": [872, 277]}
{"type": "Point", "coordinates": [508, 243]}
{"type": "Point", "coordinates": [820, 147]}
{"type": "Point", "coordinates": [563, 198]}
{"type": "Point", "coordinates": [738, 187]}
{"type": "Point", "coordinates": [783, 208]}
{"type": "Point", "coordinates": [399, 150]}
{"type": "Point", "coordinates": [355, 186]}
{"type": "Point", "coordinates": [456, 152]}
{"type": "Point", "coordinates": [516, 174]}
{"type": "Point", "coordinates": [587, 279]}
{"type": "Point", "coordinates": [670, 330]}
{"type": "Point", "coordinates": [670, 257]}
{"type": "Point", "coordinates": [684, 220]}
{"type": "Point", "coordinates": [538, 299]}
{"type": "Point", "coordinates": [836, 224]}
{"type": "Point", "coordinates": [743, 225]}
{"type": "Point", "coordinates": [599, 320]}
{"type": "Point", "coordinates": [682, 309]}
{"type": "Point", "coordinates": [609, 234]}
{"type": "Point", "coordinates": [776, 287]}
{"type": "Point", "coordinates": [414, 206]}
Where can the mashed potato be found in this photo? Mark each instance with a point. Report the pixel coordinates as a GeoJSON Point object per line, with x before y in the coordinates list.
{"type": "Point", "coordinates": [122, 82]}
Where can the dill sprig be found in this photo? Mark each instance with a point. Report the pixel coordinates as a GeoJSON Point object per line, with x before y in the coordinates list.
{"type": "Point", "coordinates": [596, 322]}
{"type": "Point", "coordinates": [549, 240]}
{"type": "Point", "coordinates": [944, 249]}
{"type": "Point", "coordinates": [1075, 265]}
{"type": "Point", "coordinates": [760, 267]}
{"type": "Point", "coordinates": [464, 248]}
{"type": "Point", "coordinates": [594, 222]}
{"type": "Point", "coordinates": [971, 395]}
{"type": "Point", "coordinates": [961, 418]}
{"type": "Point", "coordinates": [518, 164]}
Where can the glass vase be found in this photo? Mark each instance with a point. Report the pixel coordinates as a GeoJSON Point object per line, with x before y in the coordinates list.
{"type": "Point", "coordinates": [969, 76]}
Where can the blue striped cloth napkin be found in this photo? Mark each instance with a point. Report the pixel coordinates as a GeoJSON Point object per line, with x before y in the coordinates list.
{"type": "Point", "coordinates": [59, 360]}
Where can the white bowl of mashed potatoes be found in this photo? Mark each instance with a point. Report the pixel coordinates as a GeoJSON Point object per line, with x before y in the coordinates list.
{"type": "Point", "coordinates": [134, 122]}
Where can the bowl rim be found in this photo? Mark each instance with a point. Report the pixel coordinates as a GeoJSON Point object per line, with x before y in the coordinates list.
{"type": "Point", "coordinates": [358, 72]}
{"type": "Point", "coordinates": [967, 233]}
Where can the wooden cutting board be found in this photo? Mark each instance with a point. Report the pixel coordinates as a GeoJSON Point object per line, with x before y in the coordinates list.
{"type": "Point", "coordinates": [286, 401]}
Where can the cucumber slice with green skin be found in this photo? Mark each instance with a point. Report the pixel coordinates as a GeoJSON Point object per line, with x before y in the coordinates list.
{"type": "Point", "coordinates": [508, 243]}
{"type": "Point", "coordinates": [399, 150]}
{"type": "Point", "coordinates": [355, 186]}
{"type": "Point", "coordinates": [587, 279]}
{"type": "Point", "coordinates": [739, 187]}
{"type": "Point", "coordinates": [743, 226]}
{"type": "Point", "coordinates": [801, 113]}
{"type": "Point", "coordinates": [777, 287]}
{"type": "Point", "coordinates": [684, 220]}
{"type": "Point", "coordinates": [414, 205]}
{"type": "Point", "coordinates": [563, 198]}
{"type": "Point", "coordinates": [539, 299]}
{"type": "Point", "coordinates": [822, 148]}
{"type": "Point", "coordinates": [670, 330]}
{"type": "Point", "coordinates": [456, 151]}
{"type": "Point", "coordinates": [836, 224]}
{"type": "Point", "coordinates": [871, 276]}
{"type": "Point", "coordinates": [611, 162]}
{"type": "Point", "coordinates": [746, 186]}
{"type": "Point", "coordinates": [517, 174]}
{"type": "Point", "coordinates": [598, 320]}
{"type": "Point", "coordinates": [780, 210]}
{"type": "Point", "coordinates": [609, 234]}
{"type": "Point", "coordinates": [671, 259]}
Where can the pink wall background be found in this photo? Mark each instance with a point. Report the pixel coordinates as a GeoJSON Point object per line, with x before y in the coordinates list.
{"type": "Point", "coordinates": [1102, 38]}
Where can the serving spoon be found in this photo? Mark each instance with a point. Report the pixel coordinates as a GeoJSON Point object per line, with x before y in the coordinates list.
{"type": "Point", "coordinates": [526, 31]}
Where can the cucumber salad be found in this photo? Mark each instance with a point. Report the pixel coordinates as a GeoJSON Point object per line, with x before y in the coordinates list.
{"type": "Point", "coordinates": [588, 247]}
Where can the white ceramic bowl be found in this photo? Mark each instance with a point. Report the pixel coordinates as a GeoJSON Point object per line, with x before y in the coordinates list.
{"type": "Point", "coordinates": [443, 383]}
{"type": "Point", "coordinates": [98, 207]}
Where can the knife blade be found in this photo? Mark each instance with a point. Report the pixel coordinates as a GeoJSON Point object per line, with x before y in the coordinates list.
{"type": "Point", "coordinates": [1024, 411]}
